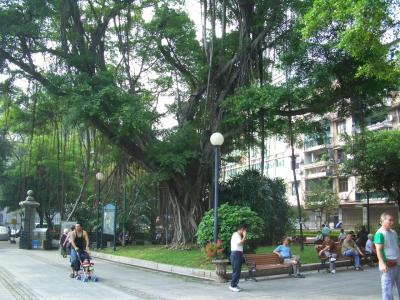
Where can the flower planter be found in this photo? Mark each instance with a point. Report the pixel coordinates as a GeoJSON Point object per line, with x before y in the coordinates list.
{"type": "Point", "coordinates": [220, 269]}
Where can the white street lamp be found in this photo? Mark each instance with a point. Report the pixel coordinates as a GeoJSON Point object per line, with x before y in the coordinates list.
{"type": "Point", "coordinates": [99, 177]}
{"type": "Point", "coordinates": [216, 139]}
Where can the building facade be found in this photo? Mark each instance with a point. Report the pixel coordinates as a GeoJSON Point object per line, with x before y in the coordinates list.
{"type": "Point", "coordinates": [321, 159]}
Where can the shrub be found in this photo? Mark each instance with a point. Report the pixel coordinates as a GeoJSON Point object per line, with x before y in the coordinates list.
{"type": "Point", "coordinates": [264, 195]}
{"type": "Point", "coordinates": [229, 218]}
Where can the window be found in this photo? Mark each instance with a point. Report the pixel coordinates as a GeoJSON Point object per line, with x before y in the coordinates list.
{"type": "Point", "coordinates": [341, 127]}
{"type": "Point", "coordinates": [280, 163]}
{"type": "Point", "coordinates": [343, 185]}
{"type": "Point", "coordinates": [340, 154]}
{"type": "Point", "coordinates": [294, 188]}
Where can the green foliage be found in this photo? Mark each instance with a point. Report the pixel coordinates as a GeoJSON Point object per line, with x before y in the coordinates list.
{"type": "Point", "coordinates": [229, 218]}
{"type": "Point", "coordinates": [183, 141]}
{"type": "Point", "coordinates": [375, 158]}
{"type": "Point", "coordinates": [320, 195]}
{"type": "Point", "coordinates": [265, 196]}
{"type": "Point", "coordinates": [360, 27]}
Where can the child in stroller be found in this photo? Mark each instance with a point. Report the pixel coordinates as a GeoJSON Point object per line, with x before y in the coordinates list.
{"type": "Point", "coordinates": [86, 269]}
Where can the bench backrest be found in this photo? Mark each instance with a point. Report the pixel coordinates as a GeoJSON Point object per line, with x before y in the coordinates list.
{"type": "Point", "coordinates": [263, 259]}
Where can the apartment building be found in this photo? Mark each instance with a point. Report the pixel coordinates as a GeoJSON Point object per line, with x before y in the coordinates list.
{"type": "Point", "coordinates": [321, 159]}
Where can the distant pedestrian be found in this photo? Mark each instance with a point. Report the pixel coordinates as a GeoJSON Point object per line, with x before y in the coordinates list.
{"type": "Point", "coordinates": [325, 230]}
{"type": "Point", "coordinates": [387, 250]}
{"type": "Point", "coordinates": [67, 242]}
{"type": "Point", "coordinates": [237, 241]}
{"type": "Point", "coordinates": [9, 233]}
{"type": "Point", "coordinates": [342, 236]}
{"type": "Point", "coordinates": [319, 238]}
{"type": "Point", "coordinates": [362, 237]}
{"type": "Point", "coordinates": [63, 246]}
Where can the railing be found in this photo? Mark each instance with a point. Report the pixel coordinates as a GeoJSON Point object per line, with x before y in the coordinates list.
{"type": "Point", "coordinates": [309, 143]}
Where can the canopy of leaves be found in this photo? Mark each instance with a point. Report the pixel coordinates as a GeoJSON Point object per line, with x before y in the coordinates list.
{"type": "Point", "coordinates": [320, 196]}
{"type": "Point", "coordinates": [375, 159]}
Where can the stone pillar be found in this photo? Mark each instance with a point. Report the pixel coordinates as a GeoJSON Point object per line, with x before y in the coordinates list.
{"type": "Point", "coordinates": [28, 222]}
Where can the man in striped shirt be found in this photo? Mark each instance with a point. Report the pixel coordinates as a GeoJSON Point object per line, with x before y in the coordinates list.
{"type": "Point", "coordinates": [387, 250]}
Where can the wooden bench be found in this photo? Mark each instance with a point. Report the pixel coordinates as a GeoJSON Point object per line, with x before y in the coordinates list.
{"type": "Point", "coordinates": [309, 241]}
{"type": "Point", "coordinates": [349, 261]}
{"type": "Point", "coordinates": [268, 261]}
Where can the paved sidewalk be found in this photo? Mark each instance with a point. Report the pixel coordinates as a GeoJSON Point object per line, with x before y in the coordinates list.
{"type": "Point", "coordinates": [44, 275]}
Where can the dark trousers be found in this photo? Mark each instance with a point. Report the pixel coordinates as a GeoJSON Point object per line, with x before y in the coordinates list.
{"type": "Point", "coordinates": [236, 262]}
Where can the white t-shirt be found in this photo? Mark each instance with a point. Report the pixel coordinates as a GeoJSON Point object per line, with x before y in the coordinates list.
{"type": "Point", "coordinates": [235, 242]}
{"type": "Point", "coordinates": [389, 240]}
{"type": "Point", "coordinates": [368, 246]}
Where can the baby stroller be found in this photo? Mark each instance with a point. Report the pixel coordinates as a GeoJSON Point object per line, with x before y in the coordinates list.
{"type": "Point", "coordinates": [86, 271]}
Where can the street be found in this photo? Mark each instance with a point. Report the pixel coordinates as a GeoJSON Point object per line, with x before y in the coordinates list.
{"type": "Point", "coordinates": [38, 274]}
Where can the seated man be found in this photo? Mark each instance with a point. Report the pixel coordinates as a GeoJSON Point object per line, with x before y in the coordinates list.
{"type": "Point", "coordinates": [285, 254]}
{"type": "Point", "coordinates": [350, 248]}
{"type": "Point", "coordinates": [328, 248]}
{"type": "Point", "coordinates": [370, 249]}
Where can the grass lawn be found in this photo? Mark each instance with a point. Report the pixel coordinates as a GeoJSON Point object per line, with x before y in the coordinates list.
{"type": "Point", "coordinates": [195, 258]}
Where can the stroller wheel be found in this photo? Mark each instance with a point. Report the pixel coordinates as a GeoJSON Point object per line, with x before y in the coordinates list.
{"type": "Point", "coordinates": [78, 277]}
{"type": "Point", "coordinates": [85, 279]}
{"type": "Point", "coordinates": [95, 279]}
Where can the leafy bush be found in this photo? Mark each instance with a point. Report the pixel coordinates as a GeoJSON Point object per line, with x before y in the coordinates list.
{"type": "Point", "coordinates": [264, 195]}
{"type": "Point", "coordinates": [229, 218]}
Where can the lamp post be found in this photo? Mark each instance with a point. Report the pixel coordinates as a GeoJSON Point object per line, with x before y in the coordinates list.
{"type": "Point", "coordinates": [99, 177]}
{"type": "Point", "coordinates": [216, 139]}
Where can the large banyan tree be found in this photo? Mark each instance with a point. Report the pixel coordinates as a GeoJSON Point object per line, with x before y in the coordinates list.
{"type": "Point", "coordinates": [112, 61]}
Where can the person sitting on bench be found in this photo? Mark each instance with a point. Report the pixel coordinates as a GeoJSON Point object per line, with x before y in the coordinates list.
{"type": "Point", "coordinates": [329, 249]}
{"type": "Point", "coordinates": [285, 254]}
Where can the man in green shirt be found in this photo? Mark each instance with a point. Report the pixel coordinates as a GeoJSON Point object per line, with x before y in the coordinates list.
{"type": "Point", "coordinates": [387, 250]}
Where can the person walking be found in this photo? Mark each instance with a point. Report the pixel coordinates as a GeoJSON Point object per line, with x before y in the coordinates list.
{"type": "Point", "coordinates": [79, 246]}
{"type": "Point", "coordinates": [67, 242]}
{"type": "Point", "coordinates": [63, 246]}
{"type": "Point", "coordinates": [237, 241]}
{"type": "Point", "coordinates": [387, 250]}
{"type": "Point", "coordinates": [325, 230]}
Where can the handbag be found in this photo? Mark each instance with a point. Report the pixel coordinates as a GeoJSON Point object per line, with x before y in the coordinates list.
{"type": "Point", "coordinates": [391, 263]}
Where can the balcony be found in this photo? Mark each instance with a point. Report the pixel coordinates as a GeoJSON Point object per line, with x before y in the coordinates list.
{"type": "Point", "coordinates": [313, 145]}
{"type": "Point", "coordinates": [387, 124]}
{"type": "Point", "coordinates": [317, 171]}
{"type": "Point", "coordinates": [317, 164]}
{"type": "Point", "coordinates": [374, 197]}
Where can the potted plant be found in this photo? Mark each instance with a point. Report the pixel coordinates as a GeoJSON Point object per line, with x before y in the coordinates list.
{"type": "Point", "coordinates": [215, 254]}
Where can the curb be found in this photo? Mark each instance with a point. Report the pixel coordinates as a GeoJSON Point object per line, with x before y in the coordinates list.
{"type": "Point", "coordinates": [193, 272]}
{"type": "Point", "coordinates": [146, 264]}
